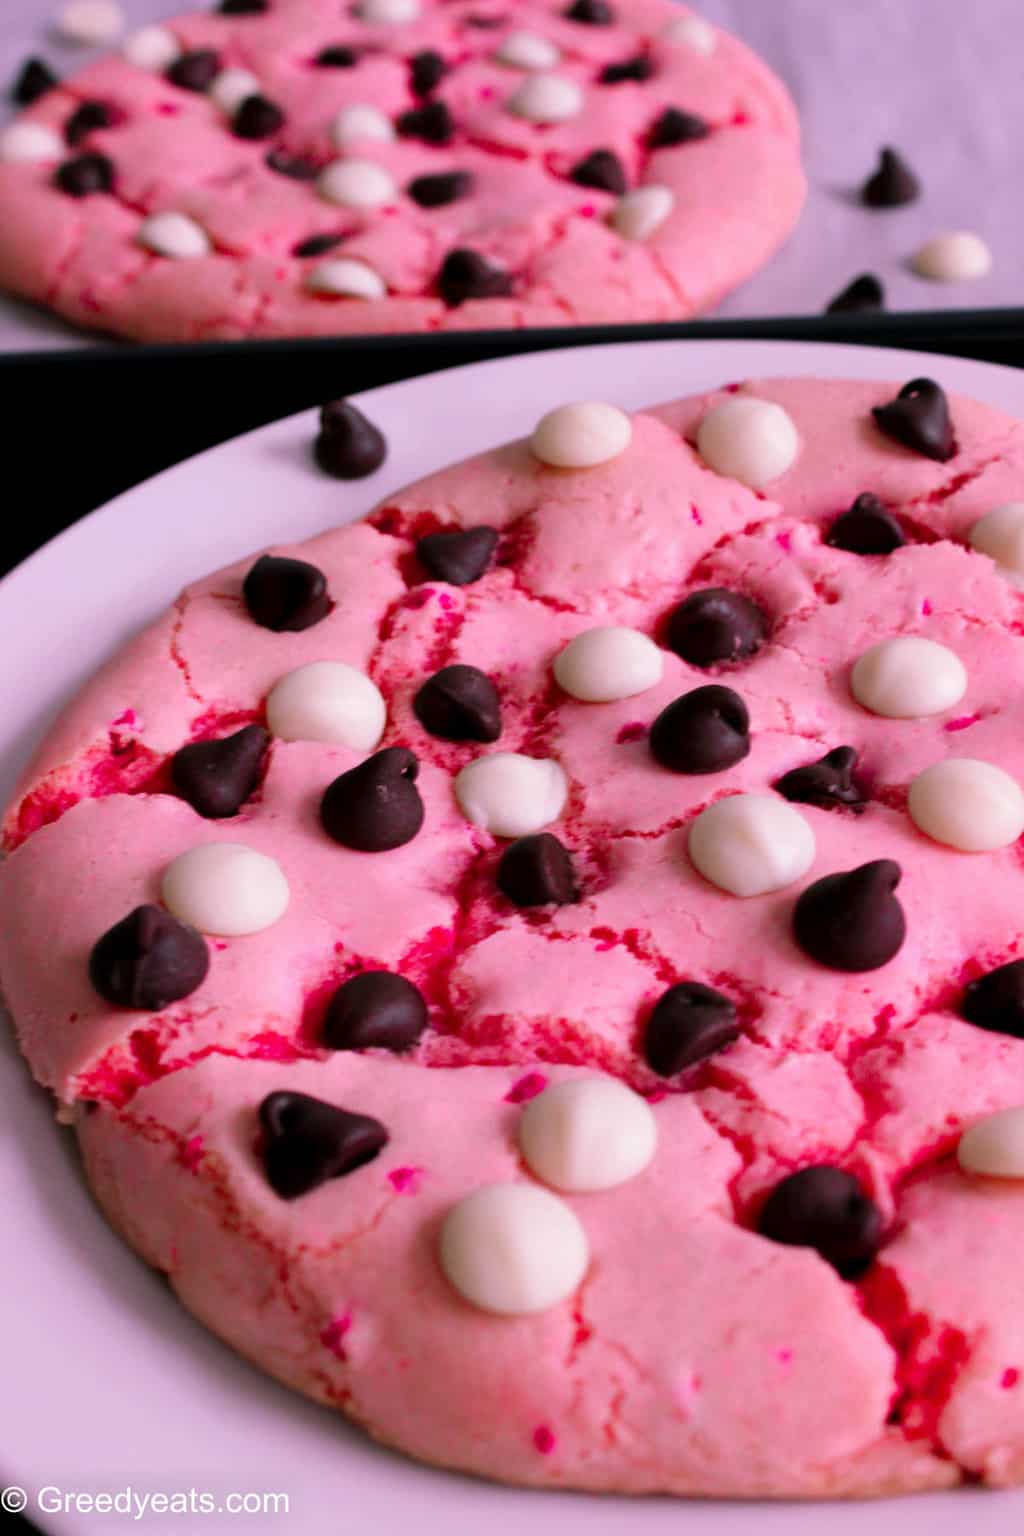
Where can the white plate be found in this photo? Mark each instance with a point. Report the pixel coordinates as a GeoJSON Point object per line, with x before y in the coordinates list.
{"type": "Point", "coordinates": [107, 1383]}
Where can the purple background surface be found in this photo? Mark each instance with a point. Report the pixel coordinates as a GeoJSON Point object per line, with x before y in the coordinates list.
{"type": "Point", "coordinates": [940, 79]}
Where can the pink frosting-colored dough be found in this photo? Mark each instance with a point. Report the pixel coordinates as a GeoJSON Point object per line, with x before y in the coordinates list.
{"type": "Point", "coordinates": [698, 1369]}
{"type": "Point", "coordinates": [738, 192]}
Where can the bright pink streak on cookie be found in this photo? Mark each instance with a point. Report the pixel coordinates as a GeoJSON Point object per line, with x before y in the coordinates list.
{"type": "Point", "coordinates": [636, 730]}
{"type": "Point", "coordinates": [544, 1440]}
{"type": "Point", "coordinates": [192, 1153]}
{"type": "Point", "coordinates": [961, 723]}
{"type": "Point", "coordinates": [784, 1356]}
{"type": "Point", "coordinates": [405, 1180]}
{"type": "Point", "coordinates": [926, 607]}
{"type": "Point", "coordinates": [1009, 1378]}
{"type": "Point", "coordinates": [332, 1336]}
{"type": "Point", "coordinates": [527, 1087]}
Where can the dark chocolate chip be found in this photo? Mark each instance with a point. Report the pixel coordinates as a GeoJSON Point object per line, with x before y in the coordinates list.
{"type": "Point", "coordinates": [285, 594]}
{"type": "Point", "coordinates": [827, 783]}
{"type": "Point", "coordinates": [638, 68]}
{"type": "Point", "coordinates": [431, 123]}
{"type": "Point", "coordinates": [996, 1001]}
{"type": "Point", "coordinates": [705, 731]}
{"type": "Point", "coordinates": [601, 169]}
{"type": "Point", "coordinates": [426, 70]}
{"type": "Point", "coordinates": [466, 275]}
{"type": "Point", "coordinates": [458, 556]}
{"type": "Point", "coordinates": [376, 806]}
{"type": "Point", "coordinates": [459, 703]}
{"type": "Point", "coordinates": [375, 1010]}
{"type": "Point", "coordinates": [85, 119]}
{"type": "Point", "coordinates": [892, 185]}
{"type": "Point", "coordinates": [441, 189]}
{"type": "Point", "coordinates": [86, 174]}
{"type": "Point", "coordinates": [690, 1022]}
{"type": "Point", "coordinates": [348, 445]}
{"type": "Point", "coordinates": [295, 167]}
{"type": "Point", "coordinates": [217, 777]}
{"type": "Point", "coordinates": [257, 118]}
{"type": "Point", "coordinates": [306, 1142]}
{"type": "Point", "coordinates": [34, 79]}
{"type": "Point", "coordinates": [715, 625]}
{"type": "Point", "coordinates": [148, 960]}
{"type": "Point", "coordinates": [675, 127]}
{"type": "Point", "coordinates": [337, 57]}
{"type": "Point", "coordinates": [537, 872]}
{"type": "Point", "coordinates": [195, 71]}
{"type": "Point", "coordinates": [317, 245]}
{"type": "Point", "coordinates": [864, 296]}
{"type": "Point", "coordinates": [826, 1209]}
{"type": "Point", "coordinates": [852, 921]}
{"type": "Point", "coordinates": [919, 419]}
{"type": "Point", "coordinates": [593, 13]}
{"type": "Point", "coordinates": [243, 7]}
{"type": "Point", "coordinates": [866, 528]}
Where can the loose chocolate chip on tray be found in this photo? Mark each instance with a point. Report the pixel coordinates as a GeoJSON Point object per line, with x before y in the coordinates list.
{"type": "Point", "coordinates": [217, 777]}
{"type": "Point", "coordinates": [827, 1209]}
{"type": "Point", "coordinates": [716, 625]}
{"type": "Point", "coordinates": [34, 79]}
{"type": "Point", "coordinates": [466, 275]}
{"type": "Point", "coordinates": [675, 127]}
{"type": "Point", "coordinates": [865, 295]}
{"type": "Point", "coordinates": [459, 703]}
{"type": "Point", "coordinates": [376, 1010]}
{"type": "Point", "coordinates": [283, 594]}
{"type": "Point", "coordinates": [457, 555]}
{"type": "Point", "coordinates": [538, 871]}
{"type": "Point", "coordinates": [995, 1001]}
{"type": "Point", "coordinates": [348, 445]}
{"type": "Point", "coordinates": [86, 174]}
{"type": "Point", "coordinates": [432, 123]}
{"type": "Point", "coordinates": [689, 1023]}
{"type": "Point", "coordinates": [919, 419]}
{"type": "Point", "coordinates": [601, 169]}
{"type": "Point", "coordinates": [852, 921]}
{"type": "Point", "coordinates": [148, 960]}
{"type": "Point", "coordinates": [827, 783]}
{"type": "Point", "coordinates": [892, 185]}
{"type": "Point", "coordinates": [376, 806]}
{"type": "Point", "coordinates": [866, 528]}
{"type": "Point", "coordinates": [439, 190]}
{"type": "Point", "coordinates": [195, 71]}
{"type": "Point", "coordinates": [307, 1142]}
{"type": "Point", "coordinates": [257, 118]}
{"type": "Point", "coordinates": [705, 731]}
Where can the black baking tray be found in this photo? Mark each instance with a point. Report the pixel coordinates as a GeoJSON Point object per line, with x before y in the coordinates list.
{"type": "Point", "coordinates": [83, 426]}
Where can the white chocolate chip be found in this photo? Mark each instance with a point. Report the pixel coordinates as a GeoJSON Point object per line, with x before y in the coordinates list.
{"type": "Point", "coordinates": [388, 13]}
{"type": "Point", "coordinates": [995, 1146]}
{"type": "Point", "coordinates": [525, 50]}
{"type": "Point", "coordinates": [691, 32]}
{"type": "Point", "coordinates": [91, 22]}
{"type": "Point", "coordinates": [581, 435]}
{"type": "Point", "coordinates": [749, 845]}
{"type": "Point", "coordinates": [153, 48]}
{"type": "Point", "coordinates": [231, 87]}
{"type": "Point", "coordinates": [30, 141]}
{"type": "Point", "coordinates": [608, 662]}
{"type": "Point", "coordinates": [753, 441]}
{"type": "Point", "coordinates": [361, 121]}
{"type": "Point", "coordinates": [907, 678]}
{"type": "Point", "coordinates": [967, 804]}
{"type": "Point", "coordinates": [327, 701]}
{"type": "Point", "coordinates": [510, 795]}
{"type": "Point", "coordinates": [589, 1133]}
{"type": "Point", "coordinates": [639, 213]}
{"type": "Point", "coordinates": [357, 184]}
{"type": "Point", "coordinates": [953, 258]}
{"type": "Point", "coordinates": [547, 99]}
{"type": "Point", "coordinates": [225, 888]}
{"type": "Point", "coordinates": [513, 1249]}
{"type": "Point", "coordinates": [1000, 535]}
{"type": "Point", "coordinates": [344, 278]}
{"type": "Point", "coordinates": [175, 235]}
